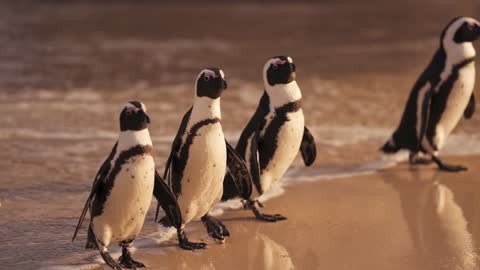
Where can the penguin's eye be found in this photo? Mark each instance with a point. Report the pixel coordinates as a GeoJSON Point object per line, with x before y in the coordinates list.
{"type": "Point", "coordinates": [206, 78]}
{"type": "Point", "coordinates": [274, 66]}
{"type": "Point", "coordinates": [128, 112]}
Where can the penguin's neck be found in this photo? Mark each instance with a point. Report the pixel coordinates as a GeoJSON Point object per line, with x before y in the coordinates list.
{"type": "Point", "coordinates": [281, 94]}
{"type": "Point", "coordinates": [205, 108]}
{"type": "Point", "coordinates": [458, 52]}
{"type": "Point", "coordinates": [130, 138]}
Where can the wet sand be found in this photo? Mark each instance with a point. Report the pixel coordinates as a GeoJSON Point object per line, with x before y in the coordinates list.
{"type": "Point", "coordinates": [400, 218]}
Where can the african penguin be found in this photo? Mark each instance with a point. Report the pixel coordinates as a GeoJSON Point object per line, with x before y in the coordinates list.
{"type": "Point", "coordinates": [122, 189]}
{"type": "Point", "coordinates": [274, 135]}
{"type": "Point", "coordinates": [441, 96]}
{"type": "Point", "coordinates": [199, 159]}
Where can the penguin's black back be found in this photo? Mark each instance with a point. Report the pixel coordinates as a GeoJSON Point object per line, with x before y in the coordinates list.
{"type": "Point", "coordinates": [405, 137]}
{"type": "Point", "coordinates": [257, 122]}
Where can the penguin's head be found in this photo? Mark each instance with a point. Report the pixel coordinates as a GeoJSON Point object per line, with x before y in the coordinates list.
{"type": "Point", "coordinates": [279, 70]}
{"type": "Point", "coordinates": [461, 30]}
{"type": "Point", "coordinates": [134, 117]}
{"type": "Point", "coordinates": [210, 83]}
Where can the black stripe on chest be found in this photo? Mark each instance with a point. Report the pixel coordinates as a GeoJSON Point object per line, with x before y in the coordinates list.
{"type": "Point", "coordinates": [180, 161]}
{"type": "Point", "coordinates": [440, 99]}
{"type": "Point", "coordinates": [107, 185]}
{"type": "Point", "coordinates": [268, 143]}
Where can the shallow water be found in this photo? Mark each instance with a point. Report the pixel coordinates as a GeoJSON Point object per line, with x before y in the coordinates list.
{"type": "Point", "coordinates": [66, 70]}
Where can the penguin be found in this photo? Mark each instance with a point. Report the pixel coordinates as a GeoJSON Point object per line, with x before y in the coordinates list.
{"type": "Point", "coordinates": [273, 136]}
{"type": "Point", "coordinates": [199, 159]}
{"type": "Point", "coordinates": [440, 97]}
{"type": "Point", "coordinates": [122, 190]}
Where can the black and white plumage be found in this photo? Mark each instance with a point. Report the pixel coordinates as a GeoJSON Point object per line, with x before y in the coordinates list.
{"type": "Point", "coordinates": [274, 135]}
{"type": "Point", "coordinates": [199, 158]}
{"type": "Point", "coordinates": [122, 190]}
{"type": "Point", "coordinates": [441, 96]}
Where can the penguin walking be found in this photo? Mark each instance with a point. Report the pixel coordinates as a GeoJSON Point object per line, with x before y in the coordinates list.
{"type": "Point", "coordinates": [122, 190]}
{"type": "Point", "coordinates": [274, 135]}
{"type": "Point", "coordinates": [199, 159]}
{"type": "Point", "coordinates": [440, 97]}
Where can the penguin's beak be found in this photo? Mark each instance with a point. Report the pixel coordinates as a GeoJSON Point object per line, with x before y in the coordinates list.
{"type": "Point", "coordinates": [223, 84]}
{"type": "Point", "coordinates": [141, 113]}
{"type": "Point", "coordinates": [293, 68]}
{"type": "Point", "coordinates": [476, 31]}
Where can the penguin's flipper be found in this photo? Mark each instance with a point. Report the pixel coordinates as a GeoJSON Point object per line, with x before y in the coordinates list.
{"type": "Point", "coordinates": [177, 142]}
{"type": "Point", "coordinates": [468, 113]}
{"type": "Point", "coordinates": [425, 114]}
{"type": "Point", "coordinates": [167, 200]}
{"type": "Point", "coordinates": [308, 148]}
{"type": "Point", "coordinates": [254, 164]}
{"type": "Point", "coordinates": [96, 187]}
{"type": "Point", "coordinates": [238, 171]}
{"type": "Point", "coordinates": [167, 175]}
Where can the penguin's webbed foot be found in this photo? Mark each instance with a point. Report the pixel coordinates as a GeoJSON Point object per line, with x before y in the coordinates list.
{"type": "Point", "coordinates": [185, 244]}
{"type": "Point", "coordinates": [215, 228]}
{"type": "Point", "coordinates": [127, 261]}
{"type": "Point", "coordinates": [265, 217]}
{"type": "Point", "coordinates": [452, 168]}
{"type": "Point", "coordinates": [110, 261]}
{"type": "Point", "coordinates": [448, 168]}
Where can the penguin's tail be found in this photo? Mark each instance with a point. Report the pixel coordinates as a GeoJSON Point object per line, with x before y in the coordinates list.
{"type": "Point", "coordinates": [91, 242]}
{"type": "Point", "coordinates": [229, 189]}
{"type": "Point", "coordinates": [390, 146]}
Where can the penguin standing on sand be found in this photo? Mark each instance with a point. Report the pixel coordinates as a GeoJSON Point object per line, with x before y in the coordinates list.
{"type": "Point", "coordinates": [199, 158]}
{"type": "Point", "coordinates": [122, 190]}
{"type": "Point", "coordinates": [441, 96]}
{"type": "Point", "coordinates": [274, 135]}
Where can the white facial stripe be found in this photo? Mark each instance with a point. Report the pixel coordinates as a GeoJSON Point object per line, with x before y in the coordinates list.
{"type": "Point", "coordinates": [452, 29]}
{"type": "Point", "coordinates": [279, 62]}
{"type": "Point", "coordinates": [290, 60]}
{"type": "Point", "coordinates": [128, 105]}
{"type": "Point", "coordinates": [144, 108]}
{"type": "Point", "coordinates": [132, 109]}
{"type": "Point", "coordinates": [222, 74]}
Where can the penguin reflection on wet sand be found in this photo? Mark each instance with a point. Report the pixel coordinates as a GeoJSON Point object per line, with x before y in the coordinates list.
{"type": "Point", "coordinates": [199, 159]}
{"type": "Point", "coordinates": [122, 190]}
{"type": "Point", "coordinates": [439, 218]}
{"type": "Point", "coordinates": [440, 97]}
{"type": "Point", "coordinates": [274, 135]}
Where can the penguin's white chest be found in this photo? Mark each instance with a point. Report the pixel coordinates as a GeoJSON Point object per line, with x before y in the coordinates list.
{"type": "Point", "coordinates": [202, 180]}
{"type": "Point", "coordinates": [456, 103]}
{"type": "Point", "coordinates": [289, 139]}
{"type": "Point", "coordinates": [130, 197]}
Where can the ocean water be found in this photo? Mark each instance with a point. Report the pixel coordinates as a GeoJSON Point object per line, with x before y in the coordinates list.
{"type": "Point", "coordinates": [67, 69]}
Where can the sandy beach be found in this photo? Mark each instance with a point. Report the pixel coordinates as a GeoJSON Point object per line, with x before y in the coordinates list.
{"type": "Point", "coordinates": [67, 68]}
{"type": "Point", "coordinates": [400, 218]}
